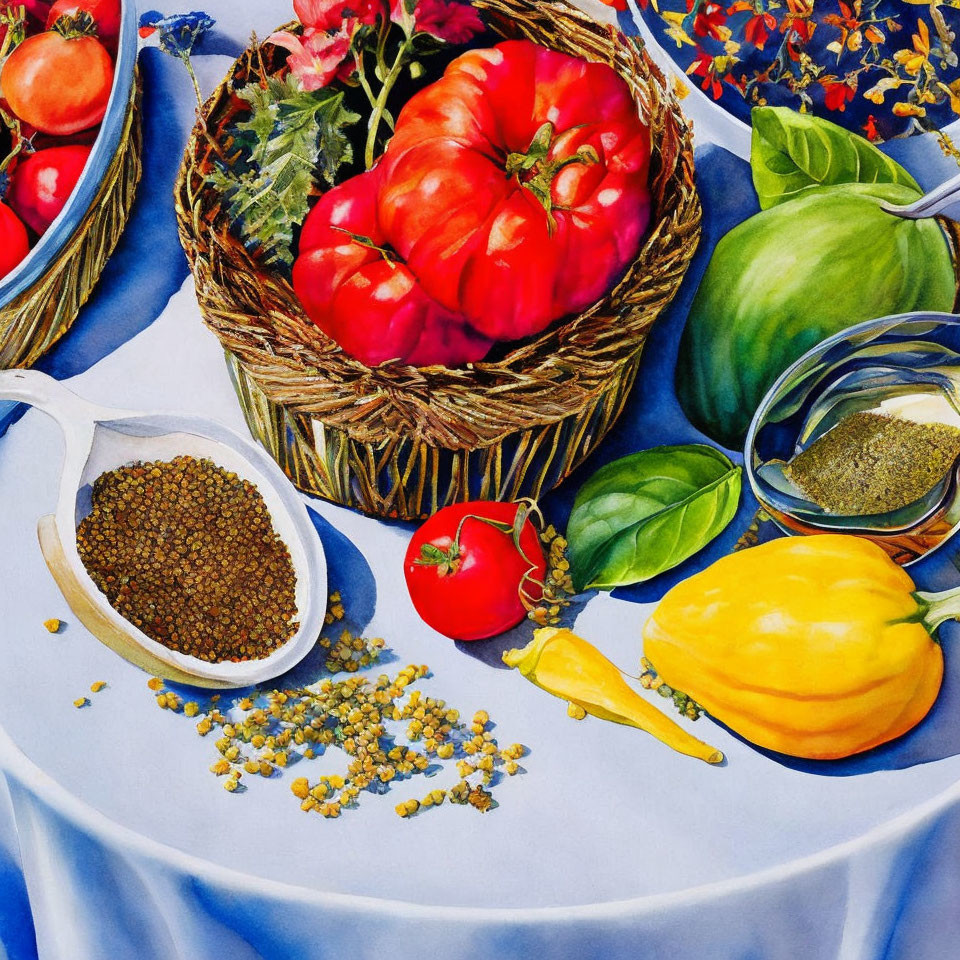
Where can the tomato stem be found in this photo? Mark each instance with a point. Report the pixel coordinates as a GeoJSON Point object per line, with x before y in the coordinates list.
{"type": "Point", "coordinates": [75, 26]}
{"type": "Point", "coordinates": [535, 171]}
{"type": "Point", "coordinates": [20, 144]}
{"type": "Point", "coordinates": [379, 111]}
{"type": "Point", "coordinates": [15, 20]}
{"type": "Point", "coordinates": [447, 561]}
{"type": "Point", "coordinates": [388, 254]}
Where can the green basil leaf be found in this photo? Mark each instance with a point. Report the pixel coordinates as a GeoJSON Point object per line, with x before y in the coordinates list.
{"type": "Point", "coordinates": [791, 151]}
{"type": "Point", "coordinates": [645, 513]}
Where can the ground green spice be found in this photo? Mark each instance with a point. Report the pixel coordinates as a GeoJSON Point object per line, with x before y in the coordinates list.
{"type": "Point", "coordinates": [870, 463]}
{"type": "Point", "coordinates": [186, 551]}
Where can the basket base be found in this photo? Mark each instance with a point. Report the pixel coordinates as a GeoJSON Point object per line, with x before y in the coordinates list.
{"type": "Point", "coordinates": [407, 479]}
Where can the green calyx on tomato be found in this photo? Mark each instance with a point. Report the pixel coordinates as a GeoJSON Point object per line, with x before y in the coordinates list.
{"type": "Point", "coordinates": [535, 171]}
{"type": "Point", "coordinates": [80, 24]}
{"type": "Point", "coordinates": [447, 561]}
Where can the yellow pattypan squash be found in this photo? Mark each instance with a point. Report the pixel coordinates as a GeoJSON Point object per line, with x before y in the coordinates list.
{"type": "Point", "coordinates": [816, 647]}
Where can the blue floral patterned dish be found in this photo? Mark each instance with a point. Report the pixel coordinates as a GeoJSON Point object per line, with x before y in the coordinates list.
{"type": "Point", "coordinates": [884, 68]}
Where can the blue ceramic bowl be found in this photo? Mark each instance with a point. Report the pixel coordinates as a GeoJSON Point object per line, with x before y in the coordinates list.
{"type": "Point", "coordinates": [51, 244]}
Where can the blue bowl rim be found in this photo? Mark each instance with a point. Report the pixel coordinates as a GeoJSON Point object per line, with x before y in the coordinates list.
{"type": "Point", "coordinates": [52, 243]}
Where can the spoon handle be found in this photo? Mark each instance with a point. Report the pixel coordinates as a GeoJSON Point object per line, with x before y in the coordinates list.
{"type": "Point", "coordinates": [50, 396]}
{"type": "Point", "coordinates": [944, 201]}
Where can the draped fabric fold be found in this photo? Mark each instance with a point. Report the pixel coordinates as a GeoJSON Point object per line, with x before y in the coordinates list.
{"type": "Point", "coordinates": [96, 892]}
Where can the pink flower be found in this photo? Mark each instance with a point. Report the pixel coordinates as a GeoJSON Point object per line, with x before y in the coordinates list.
{"type": "Point", "coordinates": [447, 20]}
{"type": "Point", "coordinates": [317, 57]}
{"type": "Point", "coordinates": [330, 14]}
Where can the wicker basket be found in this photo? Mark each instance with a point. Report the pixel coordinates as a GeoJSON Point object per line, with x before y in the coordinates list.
{"type": "Point", "coordinates": [34, 320]}
{"type": "Point", "coordinates": [402, 442]}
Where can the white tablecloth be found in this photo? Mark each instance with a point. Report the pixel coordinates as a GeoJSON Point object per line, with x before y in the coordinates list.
{"type": "Point", "coordinates": [120, 844]}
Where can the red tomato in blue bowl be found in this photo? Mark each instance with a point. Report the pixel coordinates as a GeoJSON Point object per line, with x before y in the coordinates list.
{"type": "Point", "coordinates": [42, 184]}
{"type": "Point", "coordinates": [59, 82]}
{"type": "Point", "coordinates": [14, 242]}
{"type": "Point", "coordinates": [105, 13]}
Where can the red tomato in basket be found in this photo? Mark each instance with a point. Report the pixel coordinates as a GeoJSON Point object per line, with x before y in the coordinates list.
{"type": "Point", "coordinates": [58, 84]}
{"type": "Point", "coordinates": [105, 13]}
{"type": "Point", "coordinates": [516, 186]}
{"type": "Point", "coordinates": [36, 9]}
{"type": "Point", "coordinates": [14, 243]}
{"type": "Point", "coordinates": [466, 576]}
{"type": "Point", "coordinates": [42, 184]}
{"type": "Point", "coordinates": [355, 289]}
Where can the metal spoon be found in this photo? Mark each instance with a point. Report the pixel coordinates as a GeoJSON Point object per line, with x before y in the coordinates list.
{"type": "Point", "coordinates": [943, 201]}
{"type": "Point", "coordinates": [99, 439]}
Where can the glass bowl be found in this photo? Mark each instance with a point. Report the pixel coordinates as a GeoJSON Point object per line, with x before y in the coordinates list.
{"type": "Point", "coordinates": [880, 361]}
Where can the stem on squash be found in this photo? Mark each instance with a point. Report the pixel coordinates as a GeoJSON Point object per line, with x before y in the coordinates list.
{"type": "Point", "coordinates": [937, 608]}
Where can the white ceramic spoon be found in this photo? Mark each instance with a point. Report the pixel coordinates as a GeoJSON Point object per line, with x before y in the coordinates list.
{"type": "Point", "coordinates": [99, 439]}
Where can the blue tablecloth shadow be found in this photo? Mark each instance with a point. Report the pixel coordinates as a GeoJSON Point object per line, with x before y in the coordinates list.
{"type": "Point", "coordinates": [348, 572]}
{"type": "Point", "coordinates": [18, 939]}
{"type": "Point", "coordinates": [491, 650]}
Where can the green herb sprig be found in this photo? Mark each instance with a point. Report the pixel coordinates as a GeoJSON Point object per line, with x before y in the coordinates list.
{"type": "Point", "coordinates": [289, 136]}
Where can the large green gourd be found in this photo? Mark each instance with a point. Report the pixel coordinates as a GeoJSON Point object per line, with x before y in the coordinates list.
{"type": "Point", "coordinates": [793, 275]}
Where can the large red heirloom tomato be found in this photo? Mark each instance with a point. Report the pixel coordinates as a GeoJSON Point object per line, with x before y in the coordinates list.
{"type": "Point", "coordinates": [516, 186]}
{"type": "Point", "coordinates": [355, 289]}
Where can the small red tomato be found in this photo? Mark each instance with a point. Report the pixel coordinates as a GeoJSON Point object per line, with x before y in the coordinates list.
{"type": "Point", "coordinates": [42, 184]}
{"type": "Point", "coordinates": [14, 243]}
{"type": "Point", "coordinates": [58, 82]}
{"type": "Point", "coordinates": [105, 13]}
{"type": "Point", "coordinates": [466, 575]}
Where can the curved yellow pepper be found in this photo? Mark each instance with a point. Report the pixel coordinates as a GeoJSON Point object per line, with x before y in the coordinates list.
{"type": "Point", "coordinates": [816, 646]}
{"type": "Point", "coordinates": [569, 667]}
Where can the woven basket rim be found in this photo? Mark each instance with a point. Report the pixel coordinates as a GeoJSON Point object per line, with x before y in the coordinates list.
{"type": "Point", "coordinates": [541, 380]}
